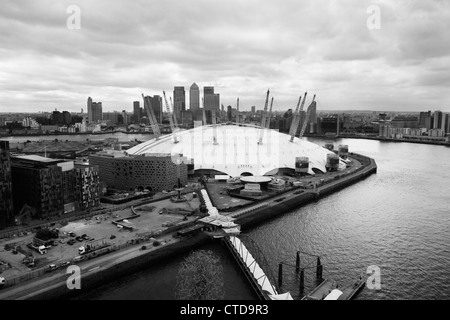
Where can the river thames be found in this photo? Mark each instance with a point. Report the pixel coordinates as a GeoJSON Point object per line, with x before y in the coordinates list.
{"type": "Point", "coordinates": [397, 220]}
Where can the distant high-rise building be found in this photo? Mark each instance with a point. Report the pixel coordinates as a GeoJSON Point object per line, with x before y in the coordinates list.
{"type": "Point", "coordinates": [6, 200]}
{"type": "Point", "coordinates": [209, 98]}
{"type": "Point", "coordinates": [229, 113]}
{"type": "Point", "coordinates": [156, 104]}
{"type": "Point", "coordinates": [137, 111]}
{"type": "Point", "coordinates": [425, 120]}
{"type": "Point", "coordinates": [125, 117]}
{"type": "Point", "coordinates": [111, 117]}
{"type": "Point", "coordinates": [437, 120]}
{"type": "Point", "coordinates": [67, 117]}
{"type": "Point", "coordinates": [194, 97]}
{"type": "Point", "coordinates": [179, 101]}
{"type": "Point", "coordinates": [217, 101]}
{"type": "Point", "coordinates": [253, 109]}
{"type": "Point", "coordinates": [444, 122]}
{"type": "Point", "coordinates": [187, 118]}
{"type": "Point", "coordinates": [95, 112]}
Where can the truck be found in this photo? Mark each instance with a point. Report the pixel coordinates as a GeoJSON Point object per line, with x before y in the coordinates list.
{"type": "Point", "coordinates": [41, 249]}
{"type": "Point", "coordinates": [93, 245]}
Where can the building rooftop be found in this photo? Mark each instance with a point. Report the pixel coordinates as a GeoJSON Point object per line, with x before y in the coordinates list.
{"type": "Point", "coordinates": [38, 159]}
{"type": "Point", "coordinates": [237, 151]}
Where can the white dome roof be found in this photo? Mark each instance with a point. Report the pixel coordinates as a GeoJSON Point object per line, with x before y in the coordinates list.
{"type": "Point", "coordinates": [237, 149]}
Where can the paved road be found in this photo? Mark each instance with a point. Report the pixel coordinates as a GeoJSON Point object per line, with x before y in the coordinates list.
{"type": "Point", "coordinates": [53, 279]}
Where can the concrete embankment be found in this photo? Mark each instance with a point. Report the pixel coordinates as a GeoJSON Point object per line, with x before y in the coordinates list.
{"type": "Point", "coordinates": [295, 201]}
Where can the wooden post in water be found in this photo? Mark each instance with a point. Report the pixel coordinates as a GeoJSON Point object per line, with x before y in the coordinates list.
{"type": "Point", "coordinates": [280, 275]}
{"type": "Point", "coordinates": [319, 269]}
{"type": "Point", "coordinates": [297, 263]}
{"type": "Point", "coordinates": [302, 282]}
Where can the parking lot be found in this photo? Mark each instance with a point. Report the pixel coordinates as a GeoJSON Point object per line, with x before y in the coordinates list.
{"type": "Point", "coordinates": [151, 217]}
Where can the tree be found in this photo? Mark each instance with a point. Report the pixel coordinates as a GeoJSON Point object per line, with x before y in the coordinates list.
{"type": "Point", "coordinates": [200, 277]}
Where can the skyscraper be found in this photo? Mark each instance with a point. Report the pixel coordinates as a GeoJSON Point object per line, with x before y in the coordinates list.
{"type": "Point", "coordinates": [211, 100]}
{"type": "Point", "coordinates": [136, 111]}
{"type": "Point", "coordinates": [156, 104]}
{"type": "Point", "coordinates": [6, 201]}
{"type": "Point", "coordinates": [194, 97]}
{"type": "Point", "coordinates": [444, 122]}
{"type": "Point", "coordinates": [179, 101]}
{"type": "Point", "coordinates": [217, 101]}
{"type": "Point", "coordinates": [437, 120]}
{"type": "Point", "coordinates": [95, 112]}
{"type": "Point", "coordinates": [425, 120]}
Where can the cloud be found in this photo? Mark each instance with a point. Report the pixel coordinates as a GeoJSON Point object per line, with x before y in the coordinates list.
{"type": "Point", "coordinates": [242, 47]}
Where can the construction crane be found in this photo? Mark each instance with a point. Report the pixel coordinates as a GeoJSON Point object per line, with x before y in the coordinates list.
{"type": "Point", "coordinates": [294, 116]}
{"type": "Point", "coordinates": [175, 121]}
{"type": "Point", "coordinates": [297, 116]}
{"type": "Point", "coordinates": [263, 121]}
{"type": "Point", "coordinates": [204, 112]}
{"type": "Point", "coordinates": [151, 116]}
{"type": "Point", "coordinates": [172, 126]}
{"type": "Point", "coordinates": [237, 115]}
{"type": "Point", "coordinates": [270, 115]}
{"type": "Point", "coordinates": [213, 116]}
{"type": "Point", "coordinates": [308, 112]}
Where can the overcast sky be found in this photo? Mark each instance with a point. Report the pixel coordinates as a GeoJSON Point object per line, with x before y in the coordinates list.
{"type": "Point", "coordinates": [125, 48]}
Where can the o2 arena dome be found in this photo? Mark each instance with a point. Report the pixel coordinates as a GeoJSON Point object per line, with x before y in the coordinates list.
{"type": "Point", "coordinates": [237, 150]}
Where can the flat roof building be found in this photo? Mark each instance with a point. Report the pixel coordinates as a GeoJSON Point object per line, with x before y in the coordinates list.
{"type": "Point", "coordinates": [6, 200]}
{"type": "Point", "coordinates": [154, 172]}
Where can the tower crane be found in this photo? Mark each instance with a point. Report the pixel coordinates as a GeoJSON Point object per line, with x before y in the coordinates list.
{"type": "Point", "coordinates": [294, 116]}
{"type": "Point", "coordinates": [270, 115]}
{"type": "Point", "coordinates": [308, 112]}
{"type": "Point", "coordinates": [237, 115]}
{"type": "Point", "coordinates": [204, 112]}
{"type": "Point", "coordinates": [151, 116]}
{"type": "Point", "coordinates": [175, 121]}
{"type": "Point", "coordinates": [172, 126]}
{"type": "Point", "coordinates": [297, 116]}
{"type": "Point", "coordinates": [263, 121]}
{"type": "Point", "coordinates": [213, 116]}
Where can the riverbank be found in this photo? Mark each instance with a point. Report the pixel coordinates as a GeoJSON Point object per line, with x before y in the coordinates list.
{"type": "Point", "coordinates": [350, 136]}
{"type": "Point", "coordinates": [143, 259]}
{"type": "Point", "coordinates": [293, 201]}
{"type": "Point", "coordinates": [101, 276]}
{"type": "Point", "coordinates": [51, 134]}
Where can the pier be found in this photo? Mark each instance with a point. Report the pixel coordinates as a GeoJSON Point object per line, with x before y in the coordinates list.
{"type": "Point", "coordinates": [253, 272]}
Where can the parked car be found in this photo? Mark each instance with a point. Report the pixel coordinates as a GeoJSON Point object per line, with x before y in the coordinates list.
{"type": "Point", "coordinates": [72, 234]}
{"type": "Point", "coordinates": [112, 237]}
{"type": "Point", "coordinates": [52, 267]}
{"type": "Point", "coordinates": [86, 237]}
{"type": "Point", "coordinates": [64, 263]}
{"type": "Point", "coordinates": [71, 241]}
{"type": "Point", "coordinates": [2, 282]}
{"type": "Point", "coordinates": [79, 239]}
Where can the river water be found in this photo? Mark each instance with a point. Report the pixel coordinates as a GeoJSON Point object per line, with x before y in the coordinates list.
{"type": "Point", "coordinates": [397, 220]}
